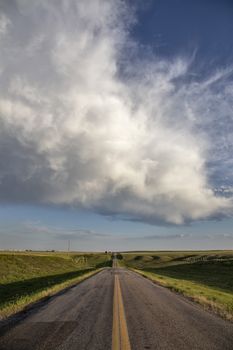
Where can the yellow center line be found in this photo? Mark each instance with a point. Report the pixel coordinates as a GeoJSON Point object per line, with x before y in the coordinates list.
{"type": "Point", "coordinates": [120, 337]}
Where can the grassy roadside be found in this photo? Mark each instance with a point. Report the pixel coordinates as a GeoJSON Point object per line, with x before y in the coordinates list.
{"type": "Point", "coordinates": [20, 303]}
{"type": "Point", "coordinates": [204, 277]}
{"type": "Point", "coordinates": [26, 278]}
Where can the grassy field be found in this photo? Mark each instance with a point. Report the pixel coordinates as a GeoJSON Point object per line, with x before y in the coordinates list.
{"type": "Point", "coordinates": [28, 276]}
{"type": "Point", "coordinates": [206, 276]}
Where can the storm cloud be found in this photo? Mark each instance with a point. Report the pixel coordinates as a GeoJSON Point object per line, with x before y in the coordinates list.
{"type": "Point", "coordinates": [83, 123]}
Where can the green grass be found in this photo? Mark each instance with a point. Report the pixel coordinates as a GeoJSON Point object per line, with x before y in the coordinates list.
{"type": "Point", "coordinates": [206, 277]}
{"type": "Point", "coordinates": [27, 277]}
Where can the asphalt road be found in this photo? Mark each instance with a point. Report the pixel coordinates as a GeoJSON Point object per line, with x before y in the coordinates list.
{"type": "Point", "coordinates": [153, 318]}
{"type": "Point", "coordinates": [160, 319]}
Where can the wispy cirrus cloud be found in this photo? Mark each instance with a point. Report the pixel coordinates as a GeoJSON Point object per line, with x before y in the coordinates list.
{"type": "Point", "coordinates": [185, 236]}
{"type": "Point", "coordinates": [82, 125]}
{"type": "Point", "coordinates": [60, 233]}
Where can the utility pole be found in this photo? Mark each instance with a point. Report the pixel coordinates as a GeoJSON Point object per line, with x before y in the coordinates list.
{"type": "Point", "coordinates": [68, 245]}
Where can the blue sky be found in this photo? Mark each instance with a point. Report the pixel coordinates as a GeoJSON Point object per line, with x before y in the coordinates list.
{"type": "Point", "coordinates": [29, 227]}
{"type": "Point", "coordinates": [116, 125]}
{"type": "Point", "coordinates": [186, 27]}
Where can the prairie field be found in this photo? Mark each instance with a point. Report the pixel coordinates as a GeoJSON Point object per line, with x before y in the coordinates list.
{"type": "Point", "coordinates": [28, 276]}
{"type": "Point", "coordinates": [205, 276]}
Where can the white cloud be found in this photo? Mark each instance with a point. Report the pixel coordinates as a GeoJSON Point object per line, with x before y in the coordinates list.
{"type": "Point", "coordinates": [4, 23]}
{"type": "Point", "coordinates": [77, 128]}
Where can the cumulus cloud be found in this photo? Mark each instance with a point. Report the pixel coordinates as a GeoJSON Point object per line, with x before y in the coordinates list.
{"type": "Point", "coordinates": [82, 125]}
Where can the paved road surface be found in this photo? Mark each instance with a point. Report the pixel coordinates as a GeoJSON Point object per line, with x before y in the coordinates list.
{"type": "Point", "coordinates": [144, 316]}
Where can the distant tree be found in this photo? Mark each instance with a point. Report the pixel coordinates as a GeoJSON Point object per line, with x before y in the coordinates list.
{"type": "Point", "coordinates": [119, 256]}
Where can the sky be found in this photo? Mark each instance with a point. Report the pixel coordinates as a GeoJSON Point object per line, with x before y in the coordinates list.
{"type": "Point", "coordinates": [116, 124]}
